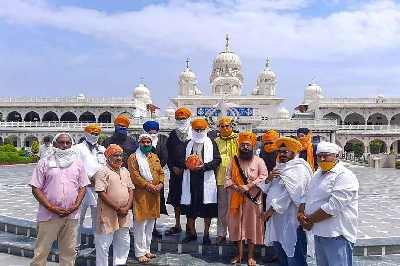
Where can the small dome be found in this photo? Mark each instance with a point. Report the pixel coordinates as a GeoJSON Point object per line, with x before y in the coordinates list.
{"type": "Point", "coordinates": [187, 75]}
{"type": "Point", "coordinates": [81, 96]}
{"type": "Point", "coordinates": [313, 89]}
{"type": "Point", "coordinates": [380, 96]}
{"type": "Point", "coordinates": [283, 113]}
{"type": "Point", "coordinates": [197, 92]}
{"type": "Point", "coordinates": [227, 58]}
{"type": "Point", "coordinates": [141, 91]}
{"type": "Point", "coordinates": [267, 75]}
{"type": "Point", "coordinates": [170, 112]}
{"type": "Point", "coordinates": [255, 91]}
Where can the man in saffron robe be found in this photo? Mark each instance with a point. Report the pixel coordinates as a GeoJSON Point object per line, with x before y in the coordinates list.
{"type": "Point", "coordinates": [244, 222]}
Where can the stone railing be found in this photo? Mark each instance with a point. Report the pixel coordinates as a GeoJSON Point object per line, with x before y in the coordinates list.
{"type": "Point", "coordinates": [385, 128]}
{"type": "Point", "coordinates": [359, 100]}
{"type": "Point", "coordinates": [67, 100]}
{"type": "Point", "coordinates": [294, 124]}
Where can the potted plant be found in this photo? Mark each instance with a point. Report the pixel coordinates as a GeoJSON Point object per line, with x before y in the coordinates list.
{"type": "Point", "coordinates": [398, 164]}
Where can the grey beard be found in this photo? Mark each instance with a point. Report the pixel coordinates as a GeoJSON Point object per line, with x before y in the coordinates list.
{"type": "Point", "coordinates": [246, 156]}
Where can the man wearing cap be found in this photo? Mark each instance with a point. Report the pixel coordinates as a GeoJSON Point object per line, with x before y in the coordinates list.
{"type": "Point", "coordinates": [148, 177]}
{"type": "Point", "coordinates": [121, 138]}
{"type": "Point", "coordinates": [160, 149]}
{"type": "Point", "coordinates": [244, 175]}
{"type": "Point", "coordinates": [92, 156]}
{"type": "Point", "coordinates": [176, 146]}
{"type": "Point", "coordinates": [331, 208]}
{"type": "Point", "coordinates": [199, 186]}
{"type": "Point", "coordinates": [285, 187]}
{"type": "Point", "coordinates": [115, 196]}
{"type": "Point", "coordinates": [227, 144]}
{"type": "Point", "coordinates": [58, 184]}
{"type": "Point", "coordinates": [304, 135]}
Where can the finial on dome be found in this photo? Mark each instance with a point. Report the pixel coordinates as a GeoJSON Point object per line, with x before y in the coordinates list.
{"type": "Point", "coordinates": [187, 63]}
{"type": "Point", "coordinates": [313, 79]}
{"type": "Point", "coordinates": [267, 62]}
{"type": "Point", "coordinates": [227, 43]}
{"type": "Point", "coordinates": [141, 80]}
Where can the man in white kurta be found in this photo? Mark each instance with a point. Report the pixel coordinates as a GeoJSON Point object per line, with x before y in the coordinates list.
{"type": "Point", "coordinates": [92, 156]}
{"type": "Point", "coordinates": [285, 186]}
{"type": "Point", "coordinates": [331, 208]}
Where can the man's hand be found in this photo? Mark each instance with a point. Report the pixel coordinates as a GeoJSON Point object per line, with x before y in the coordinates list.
{"type": "Point", "coordinates": [198, 167]}
{"type": "Point", "coordinates": [303, 222]}
{"type": "Point", "coordinates": [159, 187]}
{"type": "Point", "coordinates": [245, 188]}
{"type": "Point", "coordinates": [177, 170]}
{"type": "Point", "coordinates": [122, 212]}
{"type": "Point", "coordinates": [266, 215]}
{"type": "Point", "coordinates": [59, 211]}
{"type": "Point", "coordinates": [273, 174]}
{"type": "Point", "coordinates": [72, 209]}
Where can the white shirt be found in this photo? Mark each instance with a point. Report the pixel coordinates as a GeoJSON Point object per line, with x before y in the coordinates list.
{"type": "Point", "coordinates": [92, 161]}
{"type": "Point", "coordinates": [283, 224]}
{"type": "Point", "coordinates": [44, 151]}
{"type": "Point", "coordinates": [336, 193]}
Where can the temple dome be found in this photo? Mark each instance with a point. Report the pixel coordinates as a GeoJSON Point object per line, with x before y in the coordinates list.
{"type": "Point", "coordinates": [283, 113]}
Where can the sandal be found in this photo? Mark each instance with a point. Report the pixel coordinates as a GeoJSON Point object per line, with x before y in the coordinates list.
{"type": "Point", "coordinates": [173, 230]}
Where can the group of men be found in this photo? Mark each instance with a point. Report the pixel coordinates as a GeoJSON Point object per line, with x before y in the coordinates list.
{"type": "Point", "coordinates": [300, 193]}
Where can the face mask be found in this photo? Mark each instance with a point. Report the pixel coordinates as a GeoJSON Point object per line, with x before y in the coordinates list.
{"type": "Point", "coordinates": [326, 166]}
{"type": "Point", "coordinates": [269, 148]}
{"type": "Point", "coordinates": [146, 149]}
{"type": "Point", "coordinates": [154, 137]}
{"type": "Point", "coordinates": [91, 138]}
{"type": "Point", "coordinates": [62, 153]}
{"type": "Point", "coordinates": [182, 125]}
{"type": "Point", "coordinates": [226, 131]}
{"type": "Point", "coordinates": [121, 130]}
{"type": "Point", "coordinates": [47, 144]}
{"type": "Point", "coordinates": [199, 137]}
{"type": "Point", "coordinates": [116, 165]}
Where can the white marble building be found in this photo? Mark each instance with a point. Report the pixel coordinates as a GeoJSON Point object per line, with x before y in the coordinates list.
{"type": "Point", "coordinates": [340, 120]}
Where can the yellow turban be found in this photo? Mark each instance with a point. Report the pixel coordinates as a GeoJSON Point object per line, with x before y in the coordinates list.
{"type": "Point", "coordinates": [93, 129]}
{"type": "Point", "coordinates": [200, 122]}
{"type": "Point", "coordinates": [270, 135]}
{"type": "Point", "coordinates": [113, 148]}
{"type": "Point", "coordinates": [225, 120]}
{"type": "Point", "coordinates": [290, 143]}
{"type": "Point", "coordinates": [248, 136]}
{"type": "Point", "coordinates": [121, 119]}
{"type": "Point", "coordinates": [182, 112]}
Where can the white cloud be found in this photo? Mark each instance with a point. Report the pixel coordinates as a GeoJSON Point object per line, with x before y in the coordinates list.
{"type": "Point", "coordinates": [257, 28]}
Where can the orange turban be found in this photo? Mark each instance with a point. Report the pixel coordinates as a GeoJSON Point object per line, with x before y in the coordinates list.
{"type": "Point", "coordinates": [93, 129]}
{"type": "Point", "coordinates": [200, 122]}
{"type": "Point", "coordinates": [182, 112]}
{"type": "Point", "coordinates": [113, 148]}
{"type": "Point", "coordinates": [290, 143]}
{"type": "Point", "coordinates": [225, 120]}
{"type": "Point", "coordinates": [270, 135]}
{"type": "Point", "coordinates": [121, 119]}
{"type": "Point", "coordinates": [248, 136]}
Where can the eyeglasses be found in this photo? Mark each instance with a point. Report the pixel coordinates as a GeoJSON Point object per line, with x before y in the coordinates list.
{"type": "Point", "coordinates": [268, 142]}
{"type": "Point", "coordinates": [282, 151]}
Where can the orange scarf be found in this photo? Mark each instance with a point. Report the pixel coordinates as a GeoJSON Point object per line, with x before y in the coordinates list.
{"type": "Point", "coordinates": [307, 145]}
{"type": "Point", "coordinates": [236, 199]}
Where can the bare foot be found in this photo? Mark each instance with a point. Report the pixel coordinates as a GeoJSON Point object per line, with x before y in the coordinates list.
{"type": "Point", "coordinates": [251, 262]}
{"type": "Point", "coordinates": [235, 260]}
{"type": "Point", "coordinates": [150, 255]}
{"type": "Point", "coordinates": [143, 259]}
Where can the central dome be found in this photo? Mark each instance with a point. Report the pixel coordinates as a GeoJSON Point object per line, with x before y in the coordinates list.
{"type": "Point", "coordinates": [141, 91]}
{"type": "Point", "coordinates": [227, 58]}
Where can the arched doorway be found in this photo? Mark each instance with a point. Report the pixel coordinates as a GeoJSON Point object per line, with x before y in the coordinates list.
{"type": "Point", "coordinates": [377, 119]}
{"type": "Point", "coordinates": [1, 141]}
{"type": "Point", "coordinates": [50, 116]}
{"type": "Point", "coordinates": [382, 149]}
{"type": "Point", "coordinates": [333, 116]}
{"type": "Point", "coordinates": [32, 117]}
{"type": "Point", "coordinates": [14, 117]}
{"type": "Point", "coordinates": [87, 117]}
{"type": "Point", "coordinates": [104, 117]}
{"type": "Point", "coordinates": [395, 120]}
{"type": "Point", "coordinates": [29, 140]}
{"type": "Point", "coordinates": [15, 140]}
{"type": "Point", "coordinates": [395, 146]}
{"type": "Point", "coordinates": [1, 117]}
{"type": "Point", "coordinates": [69, 117]}
{"type": "Point", "coordinates": [348, 147]}
{"type": "Point", "coordinates": [354, 119]}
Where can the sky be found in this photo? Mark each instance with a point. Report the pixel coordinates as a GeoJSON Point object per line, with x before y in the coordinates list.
{"type": "Point", "coordinates": [102, 48]}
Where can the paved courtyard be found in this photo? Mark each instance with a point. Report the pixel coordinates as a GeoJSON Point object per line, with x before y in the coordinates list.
{"type": "Point", "coordinates": [379, 208]}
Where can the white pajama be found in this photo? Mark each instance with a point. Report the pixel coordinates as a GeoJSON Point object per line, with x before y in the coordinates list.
{"type": "Point", "coordinates": [143, 234]}
{"type": "Point", "coordinates": [121, 244]}
{"type": "Point", "coordinates": [93, 214]}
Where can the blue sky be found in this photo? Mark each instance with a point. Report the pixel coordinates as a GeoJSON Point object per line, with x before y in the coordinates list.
{"type": "Point", "coordinates": [101, 48]}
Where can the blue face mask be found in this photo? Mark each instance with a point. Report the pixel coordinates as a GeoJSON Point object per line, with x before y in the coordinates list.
{"type": "Point", "coordinates": [146, 149]}
{"type": "Point", "coordinates": [121, 130]}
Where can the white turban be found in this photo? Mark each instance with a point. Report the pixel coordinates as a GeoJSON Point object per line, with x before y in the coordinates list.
{"type": "Point", "coordinates": [144, 136]}
{"type": "Point", "coordinates": [329, 147]}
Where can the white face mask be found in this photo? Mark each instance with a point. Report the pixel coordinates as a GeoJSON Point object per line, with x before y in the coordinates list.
{"type": "Point", "coordinates": [154, 139]}
{"type": "Point", "coordinates": [91, 138]}
{"type": "Point", "coordinates": [199, 137]}
{"type": "Point", "coordinates": [182, 125]}
{"type": "Point", "coordinates": [65, 157]}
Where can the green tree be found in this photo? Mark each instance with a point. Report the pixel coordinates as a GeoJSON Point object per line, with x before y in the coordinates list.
{"type": "Point", "coordinates": [35, 147]}
{"type": "Point", "coordinates": [359, 149]}
{"type": "Point", "coordinates": [101, 139]}
{"type": "Point", "coordinates": [9, 140]}
{"type": "Point", "coordinates": [375, 147]}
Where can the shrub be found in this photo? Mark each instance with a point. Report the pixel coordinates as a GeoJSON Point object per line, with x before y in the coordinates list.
{"type": "Point", "coordinates": [398, 163]}
{"type": "Point", "coordinates": [8, 140]}
{"type": "Point", "coordinates": [9, 148]}
{"type": "Point", "coordinates": [375, 147]}
{"type": "Point", "coordinates": [101, 139]}
{"type": "Point", "coordinates": [22, 153]}
{"type": "Point", "coordinates": [35, 147]}
{"type": "Point", "coordinates": [358, 148]}
{"type": "Point", "coordinates": [2, 148]}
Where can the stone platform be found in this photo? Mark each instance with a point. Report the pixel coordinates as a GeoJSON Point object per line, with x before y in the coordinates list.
{"type": "Point", "coordinates": [379, 223]}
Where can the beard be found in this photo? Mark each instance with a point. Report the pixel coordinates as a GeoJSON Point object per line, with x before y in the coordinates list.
{"type": "Point", "coordinates": [246, 155]}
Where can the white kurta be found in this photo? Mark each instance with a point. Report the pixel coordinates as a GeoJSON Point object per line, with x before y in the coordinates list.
{"type": "Point", "coordinates": [336, 193]}
{"type": "Point", "coordinates": [92, 161]}
{"type": "Point", "coordinates": [284, 196]}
